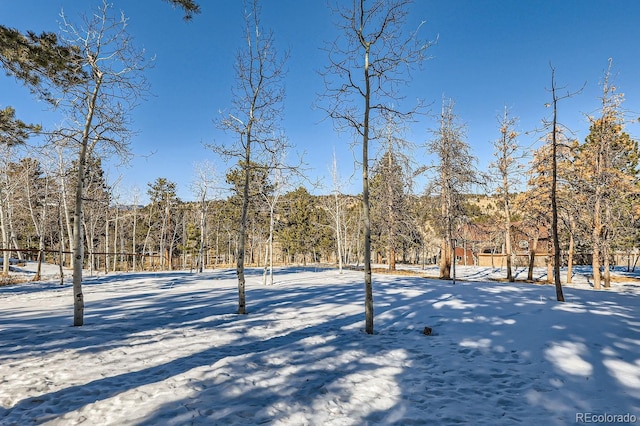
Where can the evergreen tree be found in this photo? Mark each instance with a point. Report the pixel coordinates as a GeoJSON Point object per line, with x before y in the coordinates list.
{"type": "Point", "coordinates": [607, 164]}
{"type": "Point", "coordinates": [14, 131]}
{"type": "Point", "coordinates": [189, 7]}
{"type": "Point", "coordinates": [456, 175]}
{"type": "Point", "coordinates": [256, 220]}
{"type": "Point", "coordinates": [43, 62]}
{"type": "Point", "coordinates": [390, 214]}
{"type": "Point", "coordinates": [535, 202]}
{"type": "Point", "coordinates": [296, 234]}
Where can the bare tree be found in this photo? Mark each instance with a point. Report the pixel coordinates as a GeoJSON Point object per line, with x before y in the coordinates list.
{"type": "Point", "coordinates": [6, 191]}
{"type": "Point", "coordinates": [336, 211]}
{"type": "Point", "coordinates": [554, 189]}
{"type": "Point", "coordinates": [97, 109]}
{"type": "Point", "coordinates": [271, 196]}
{"type": "Point", "coordinates": [256, 112]}
{"type": "Point", "coordinates": [367, 64]}
{"type": "Point", "coordinates": [162, 194]}
{"type": "Point", "coordinates": [203, 187]}
{"type": "Point", "coordinates": [32, 200]}
{"type": "Point", "coordinates": [63, 182]}
{"type": "Point", "coordinates": [506, 166]}
{"type": "Point", "coordinates": [12, 132]}
{"type": "Point", "coordinates": [135, 201]}
{"type": "Point", "coordinates": [555, 129]}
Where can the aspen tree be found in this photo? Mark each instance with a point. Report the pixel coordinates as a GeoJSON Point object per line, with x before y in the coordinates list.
{"type": "Point", "coordinates": [367, 63]}
{"type": "Point", "coordinates": [99, 104]}
{"type": "Point", "coordinates": [254, 118]}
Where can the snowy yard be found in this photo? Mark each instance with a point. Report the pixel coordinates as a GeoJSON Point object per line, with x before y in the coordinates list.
{"type": "Point", "coordinates": [167, 348]}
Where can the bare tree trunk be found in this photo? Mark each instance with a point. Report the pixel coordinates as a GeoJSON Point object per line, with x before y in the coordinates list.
{"type": "Point", "coordinates": [570, 253]}
{"type": "Point", "coordinates": [445, 250]}
{"type": "Point", "coordinates": [266, 264]}
{"type": "Point", "coordinates": [606, 264]}
{"type": "Point", "coordinates": [391, 217]}
{"type": "Point", "coordinates": [12, 232]}
{"type": "Point", "coordinates": [453, 261]}
{"type": "Point", "coordinates": [4, 209]}
{"type": "Point", "coordinates": [554, 201]}
{"type": "Point", "coordinates": [37, 276]}
{"type": "Point", "coordinates": [146, 245]}
{"type": "Point", "coordinates": [78, 246]}
{"type": "Point", "coordinates": [39, 225]}
{"type": "Point", "coordinates": [133, 236]}
{"type": "Point", "coordinates": [445, 260]}
{"type": "Point", "coordinates": [61, 246]}
{"type": "Point", "coordinates": [215, 262]}
{"type": "Point", "coordinates": [116, 229]}
{"type": "Point", "coordinates": [337, 212]}
{"type": "Point", "coordinates": [464, 249]}
{"type": "Point", "coordinates": [203, 217]}
{"type": "Point", "coordinates": [163, 239]}
{"type": "Point", "coordinates": [532, 256]}
{"type": "Point", "coordinates": [597, 243]}
{"type": "Point", "coordinates": [368, 286]}
{"type": "Point", "coordinates": [338, 234]}
{"type": "Point", "coordinates": [271, 231]}
{"type": "Point", "coordinates": [228, 259]}
{"type": "Point", "coordinates": [64, 201]}
{"type": "Point", "coordinates": [5, 238]}
{"type": "Point", "coordinates": [242, 304]}
{"type": "Point", "coordinates": [606, 252]}
{"type": "Point", "coordinates": [107, 256]}
{"type": "Point", "coordinates": [172, 244]}
{"type": "Point", "coordinates": [507, 228]}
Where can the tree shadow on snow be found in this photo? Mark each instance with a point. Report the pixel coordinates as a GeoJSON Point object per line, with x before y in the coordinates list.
{"type": "Point", "coordinates": [499, 354]}
{"type": "Point", "coordinates": [111, 321]}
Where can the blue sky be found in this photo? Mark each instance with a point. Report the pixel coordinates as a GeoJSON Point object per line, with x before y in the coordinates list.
{"type": "Point", "coordinates": [489, 53]}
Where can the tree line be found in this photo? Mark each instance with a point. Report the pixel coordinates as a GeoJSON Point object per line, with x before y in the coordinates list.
{"type": "Point", "coordinates": [407, 226]}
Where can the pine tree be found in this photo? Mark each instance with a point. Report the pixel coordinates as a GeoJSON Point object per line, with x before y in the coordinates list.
{"type": "Point", "coordinates": [456, 175]}
{"type": "Point", "coordinates": [298, 225]}
{"type": "Point", "coordinates": [14, 131]}
{"type": "Point", "coordinates": [389, 206]}
{"type": "Point", "coordinates": [535, 202]}
{"type": "Point", "coordinates": [608, 167]}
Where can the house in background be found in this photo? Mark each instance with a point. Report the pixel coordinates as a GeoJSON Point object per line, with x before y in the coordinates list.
{"type": "Point", "coordinates": [483, 245]}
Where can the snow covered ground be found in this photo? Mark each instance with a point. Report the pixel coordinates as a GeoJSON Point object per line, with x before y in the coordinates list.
{"type": "Point", "coordinates": [168, 349]}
